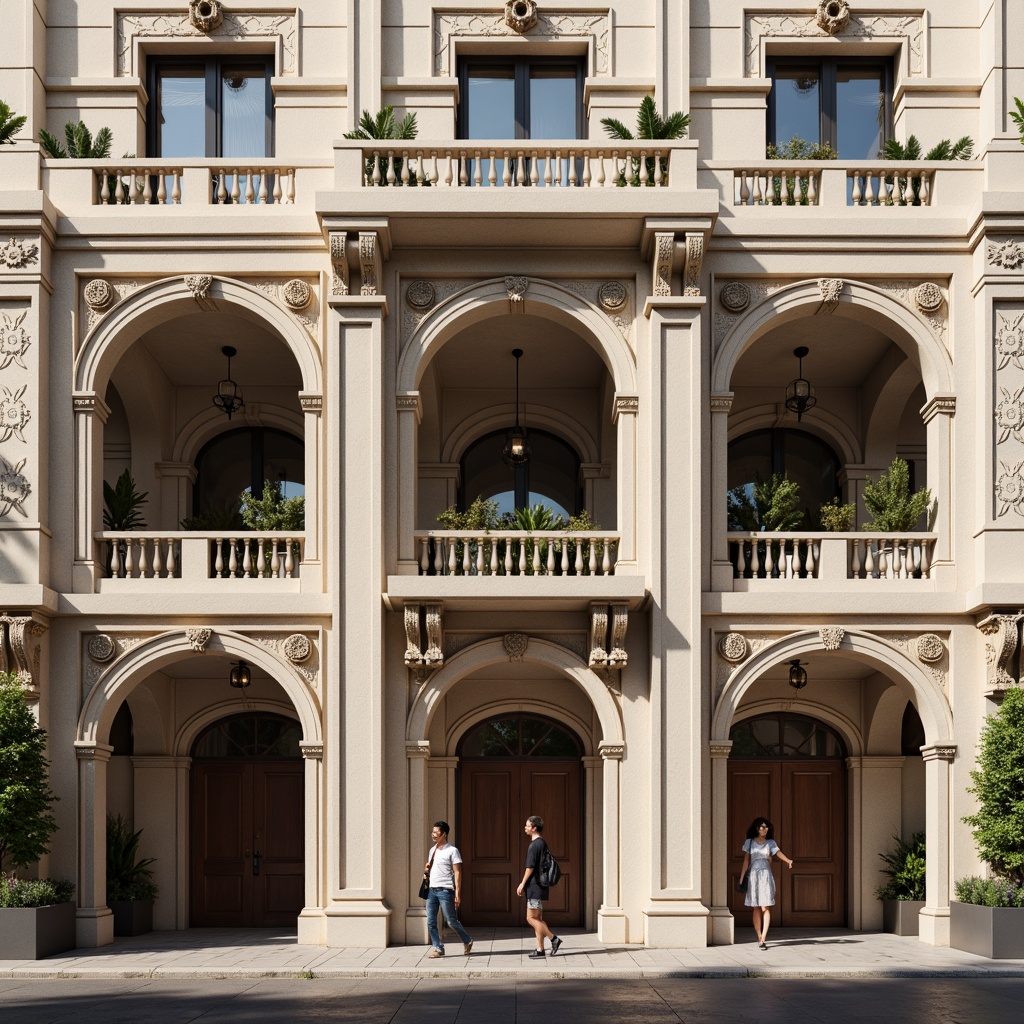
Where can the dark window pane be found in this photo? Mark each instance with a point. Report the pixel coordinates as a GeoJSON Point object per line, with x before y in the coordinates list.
{"type": "Point", "coordinates": [284, 460]}
{"type": "Point", "coordinates": [522, 736]}
{"type": "Point", "coordinates": [797, 104]}
{"type": "Point", "coordinates": [244, 111]}
{"type": "Point", "coordinates": [801, 737]}
{"type": "Point", "coordinates": [250, 735]}
{"type": "Point", "coordinates": [552, 103]}
{"type": "Point", "coordinates": [181, 111]}
{"type": "Point", "coordinates": [860, 112]}
{"type": "Point", "coordinates": [492, 103]}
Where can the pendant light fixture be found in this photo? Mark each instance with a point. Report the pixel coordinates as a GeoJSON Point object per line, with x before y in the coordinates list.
{"type": "Point", "coordinates": [517, 446]}
{"type": "Point", "coordinates": [241, 675]}
{"type": "Point", "coordinates": [229, 394]}
{"type": "Point", "coordinates": [799, 392]}
{"type": "Point", "coordinates": [797, 675]}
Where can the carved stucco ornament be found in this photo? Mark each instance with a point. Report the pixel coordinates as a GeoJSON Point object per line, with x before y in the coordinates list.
{"type": "Point", "coordinates": [205, 15]}
{"type": "Point", "coordinates": [198, 285]}
{"type": "Point", "coordinates": [516, 287]}
{"type": "Point", "coordinates": [420, 294]}
{"type": "Point", "coordinates": [296, 647]}
{"type": "Point", "coordinates": [515, 645]}
{"type": "Point", "coordinates": [928, 297]}
{"type": "Point", "coordinates": [17, 253]}
{"type": "Point", "coordinates": [101, 647]}
{"type": "Point", "coordinates": [14, 341]}
{"type": "Point", "coordinates": [733, 647]}
{"type": "Point", "coordinates": [14, 415]}
{"type": "Point", "coordinates": [930, 648]}
{"type": "Point", "coordinates": [14, 487]}
{"type": "Point", "coordinates": [612, 295]}
{"type": "Point", "coordinates": [296, 294]}
{"type": "Point", "coordinates": [832, 16]}
{"type": "Point", "coordinates": [98, 293]}
{"type": "Point", "coordinates": [198, 637]}
{"type": "Point", "coordinates": [831, 288]}
{"type": "Point", "coordinates": [1003, 638]}
{"type": "Point", "coordinates": [1009, 254]}
{"type": "Point", "coordinates": [831, 637]}
{"type": "Point", "coordinates": [521, 15]}
{"type": "Point", "coordinates": [735, 296]}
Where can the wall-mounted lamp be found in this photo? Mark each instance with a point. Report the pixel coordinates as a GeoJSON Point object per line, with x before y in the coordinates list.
{"type": "Point", "coordinates": [797, 675]}
{"type": "Point", "coordinates": [241, 675]}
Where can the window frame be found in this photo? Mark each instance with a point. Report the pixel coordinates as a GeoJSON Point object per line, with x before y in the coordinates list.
{"type": "Point", "coordinates": [212, 65]}
{"type": "Point", "coordinates": [827, 68]}
{"type": "Point", "coordinates": [522, 64]}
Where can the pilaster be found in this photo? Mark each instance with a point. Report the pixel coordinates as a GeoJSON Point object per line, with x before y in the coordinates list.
{"type": "Point", "coordinates": [94, 920]}
{"type": "Point", "coordinates": [934, 918]}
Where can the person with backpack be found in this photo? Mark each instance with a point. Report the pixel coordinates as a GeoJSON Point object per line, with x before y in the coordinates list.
{"type": "Point", "coordinates": [538, 858]}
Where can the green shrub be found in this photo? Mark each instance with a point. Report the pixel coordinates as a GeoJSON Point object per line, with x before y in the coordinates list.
{"type": "Point", "coordinates": [905, 866]}
{"type": "Point", "coordinates": [989, 892]}
{"type": "Point", "coordinates": [34, 892]}
{"type": "Point", "coordinates": [773, 505]}
{"type": "Point", "coordinates": [893, 509]}
{"type": "Point", "coordinates": [836, 517]}
{"type": "Point", "coordinates": [272, 511]}
{"type": "Point", "coordinates": [128, 876]}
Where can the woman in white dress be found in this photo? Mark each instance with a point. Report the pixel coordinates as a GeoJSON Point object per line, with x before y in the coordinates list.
{"type": "Point", "coordinates": [758, 851]}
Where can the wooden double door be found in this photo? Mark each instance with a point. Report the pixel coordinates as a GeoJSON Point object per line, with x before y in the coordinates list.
{"type": "Point", "coordinates": [247, 841]}
{"type": "Point", "coordinates": [805, 801]}
{"type": "Point", "coordinates": [497, 795]}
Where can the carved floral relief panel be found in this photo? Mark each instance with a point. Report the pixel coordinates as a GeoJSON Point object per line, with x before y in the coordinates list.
{"type": "Point", "coordinates": [1008, 412]}
{"type": "Point", "coordinates": [17, 397]}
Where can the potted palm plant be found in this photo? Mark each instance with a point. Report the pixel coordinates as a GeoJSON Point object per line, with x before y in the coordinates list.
{"type": "Point", "coordinates": [987, 916]}
{"type": "Point", "coordinates": [770, 505]}
{"type": "Point", "coordinates": [130, 886]}
{"type": "Point", "coordinates": [894, 510]}
{"type": "Point", "coordinates": [37, 916]}
{"type": "Point", "coordinates": [121, 512]}
{"type": "Point", "coordinates": [902, 895]}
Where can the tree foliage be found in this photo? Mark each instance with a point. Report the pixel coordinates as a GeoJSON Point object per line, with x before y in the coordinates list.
{"type": "Point", "coordinates": [836, 517]}
{"type": "Point", "coordinates": [272, 511]}
{"type": "Point", "coordinates": [893, 509]}
{"type": "Point", "coordinates": [79, 143]}
{"type": "Point", "coordinates": [999, 786]}
{"type": "Point", "coordinates": [26, 800]}
{"type": "Point", "coordinates": [772, 505]}
{"type": "Point", "coordinates": [10, 124]}
{"type": "Point", "coordinates": [1017, 116]}
{"type": "Point", "coordinates": [383, 125]}
{"type": "Point", "coordinates": [649, 124]}
{"type": "Point", "coordinates": [962, 149]}
{"type": "Point", "coordinates": [800, 149]}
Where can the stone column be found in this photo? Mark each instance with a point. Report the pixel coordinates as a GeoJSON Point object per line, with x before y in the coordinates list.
{"type": "Point", "coordinates": [418, 756]}
{"type": "Point", "coordinates": [721, 567]}
{"type": "Point", "coordinates": [410, 412]}
{"type": "Point", "coordinates": [934, 919]}
{"type": "Point", "coordinates": [94, 922]}
{"type": "Point", "coordinates": [611, 918]}
{"type": "Point", "coordinates": [627, 408]}
{"type": "Point", "coordinates": [938, 420]}
{"type": "Point", "coordinates": [722, 922]}
{"type": "Point", "coordinates": [91, 413]}
{"type": "Point", "coordinates": [312, 417]}
{"type": "Point", "coordinates": [593, 840]}
{"type": "Point", "coordinates": [311, 918]}
{"type": "Point", "coordinates": [163, 817]}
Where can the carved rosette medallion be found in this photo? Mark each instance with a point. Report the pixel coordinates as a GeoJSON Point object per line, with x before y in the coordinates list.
{"type": "Point", "coordinates": [735, 296]}
{"type": "Point", "coordinates": [832, 16]}
{"type": "Point", "coordinates": [831, 637]}
{"type": "Point", "coordinates": [928, 297]}
{"type": "Point", "coordinates": [733, 647]}
{"type": "Point", "coordinates": [296, 294]}
{"type": "Point", "coordinates": [205, 15]}
{"type": "Point", "coordinates": [521, 15]}
{"type": "Point", "coordinates": [17, 253]}
{"type": "Point", "coordinates": [1009, 254]}
{"type": "Point", "coordinates": [98, 294]}
{"type": "Point", "coordinates": [14, 414]}
{"type": "Point", "coordinates": [930, 648]}
{"type": "Point", "coordinates": [420, 295]}
{"type": "Point", "coordinates": [612, 296]}
{"type": "Point", "coordinates": [14, 487]}
{"type": "Point", "coordinates": [198, 637]}
{"type": "Point", "coordinates": [296, 647]}
{"type": "Point", "coordinates": [515, 645]}
{"type": "Point", "coordinates": [101, 647]}
{"type": "Point", "coordinates": [14, 340]}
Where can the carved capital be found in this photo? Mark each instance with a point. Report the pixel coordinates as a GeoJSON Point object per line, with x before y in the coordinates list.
{"type": "Point", "coordinates": [312, 751]}
{"type": "Point", "coordinates": [87, 750]}
{"type": "Point", "coordinates": [720, 748]}
{"type": "Point", "coordinates": [940, 405]}
{"type": "Point", "coordinates": [88, 403]}
{"type": "Point", "coordinates": [722, 403]}
{"type": "Point", "coordinates": [419, 750]}
{"type": "Point", "coordinates": [937, 753]}
{"type": "Point", "coordinates": [625, 405]}
{"type": "Point", "coordinates": [409, 402]}
{"type": "Point", "coordinates": [612, 751]}
{"type": "Point", "coordinates": [310, 401]}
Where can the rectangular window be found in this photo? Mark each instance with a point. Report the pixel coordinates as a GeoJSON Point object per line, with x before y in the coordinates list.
{"type": "Point", "coordinates": [521, 98]}
{"type": "Point", "coordinates": [842, 103]}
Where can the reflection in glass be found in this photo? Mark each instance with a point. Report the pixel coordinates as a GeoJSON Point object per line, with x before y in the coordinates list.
{"type": "Point", "coordinates": [860, 113]}
{"type": "Point", "coordinates": [181, 106]}
{"type": "Point", "coordinates": [784, 735]}
{"type": "Point", "coordinates": [797, 104]}
{"type": "Point", "coordinates": [520, 736]}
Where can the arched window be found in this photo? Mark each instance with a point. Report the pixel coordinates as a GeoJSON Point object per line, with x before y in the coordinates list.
{"type": "Point", "coordinates": [520, 736]}
{"type": "Point", "coordinates": [551, 477]}
{"type": "Point", "coordinates": [784, 735]}
{"type": "Point", "coordinates": [801, 457]}
{"type": "Point", "coordinates": [249, 735]}
{"type": "Point", "coordinates": [241, 460]}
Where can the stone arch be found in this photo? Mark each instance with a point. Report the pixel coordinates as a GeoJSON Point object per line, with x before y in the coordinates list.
{"type": "Point", "coordinates": [884, 421]}
{"type": "Point", "coordinates": [190, 730]}
{"type": "Point", "coordinates": [831, 429]}
{"type": "Point", "coordinates": [165, 649]}
{"type": "Point", "coordinates": [208, 424]}
{"type": "Point", "coordinates": [865, 647]}
{"type": "Point", "coordinates": [457, 729]}
{"type": "Point", "coordinates": [858, 301]}
{"type": "Point", "coordinates": [499, 418]}
{"type": "Point", "coordinates": [489, 299]}
{"type": "Point", "coordinates": [133, 316]}
{"type": "Point", "coordinates": [492, 652]}
{"type": "Point", "coordinates": [846, 728]}
{"type": "Point", "coordinates": [884, 731]}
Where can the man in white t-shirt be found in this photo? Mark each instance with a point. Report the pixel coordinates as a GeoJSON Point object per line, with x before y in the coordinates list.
{"type": "Point", "coordinates": [445, 864]}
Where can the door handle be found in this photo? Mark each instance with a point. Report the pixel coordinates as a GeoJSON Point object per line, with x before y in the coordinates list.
{"type": "Point", "coordinates": [256, 862]}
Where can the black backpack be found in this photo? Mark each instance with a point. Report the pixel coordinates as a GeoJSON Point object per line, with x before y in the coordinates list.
{"type": "Point", "coordinates": [549, 872]}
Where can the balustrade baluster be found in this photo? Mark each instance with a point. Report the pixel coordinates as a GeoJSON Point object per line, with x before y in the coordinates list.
{"type": "Point", "coordinates": [261, 195]}
{"type": "Point", "coordinates": [811, 563]}
{"type": "Point", "coordinates": [448, 174]}
{"type": "Point", "coordinates": [260, 568]}
{"type": "Point", "coordinates": [463, 171]}
{"type": "Point", "coordinates": [158, 562]}
{"type": "Point", "coordinates": [535, 168]}
{"type": "Point", "coordinates": [453, 557]}
{"type": "Point", "coordinates": [630, 175]}
{"type": "Point", "coordinates": [744, 188]}
{"type": "Point", "coordinates": [812, 188]}
{"type": "Point", "coordinates": [129, 559]}
{"type": "Point", "coordinates": [218, 558]}
{"type": "Point", "coordinates": [492, 170]}
{"type": "Point", "coordinates": [222, 189]}
{"type": "Point", "coordinates": [926, 559]}
{"type": "Point", "coordinates": [587, 177]}
{"type": "Point", "coordinates": [564, 568]}
{"type": "Point", "coordinates": [592, 558]}
{"type": "Point", "coordinates": [600, 170]}
{"type": "Point", "coordinates": [247, 558]}
{"type": "Point", "coordinates": [439, 556]}
{"type": "Point", "coordinates": [549, 565]}
{"type": "Point", "coordinates": [869, 560]}
{"type": "Point", "coordinates": [143, 561]}
{"type": "Point", "coordinates": [466, 546]}
{"type": "Point", "coordinates": [146, 196]}
{"type": "Point", "coordinates": [857, 194]}
{"type": "Point", "coordinates": [104, 187]}
{"type": "Point", "coordinates": [573, 179]}
{"type": "Point", "coordinates": [508, 556]}
{"type": "Point", "coordinates": [547, 167]}
{"type": "Point", "coordinates": [522, 556]}
{"type": "Point", "coordinates": [420, 173]}
{"type": "Point", "coordinates": [172, 567]}
{"type": "Point", "coordinates": [406, 160]}
{"type": "Point", "coordinates": [613, 180]}
{"type": "Point", "coordinates": [578, 563]}
{"type": "Point", "coordinates": [134, 192]}
{"type": "Point", "coordinates": [250, 192]}
{"type": "Point", "coordinates": [424, 556]}
{"type": "Point", "coordinates": [854, 558]}
{"type": "Point", "coordinates": [434, 178]}
{"type": "Point", "coordinates": [236, 188]}
{"type": "Point", "coordinates": [493, 565]}
{"type": "Point", "coordinates": [606, 558]}
{"type": "Point", "coordinates": [769, 559]}
{"type": "Point", "coordinates": [275, 559]}
{"type": "Point", "coordinates": [535, 556]}
{"type": "Point", "coordinates": [278, 190]}
{"type": "Point", "coordinates": [521, 168]}
{"type": "Point", "coordinates": [289, 558]}
{"type": "Point", "coordinates": [926, 188]}
{"type": "Point", "coordinates": [659, 176]}
{"type": "Point", "coordinates": [644, 174]}
{"type": "Point", "coordinates": [232, 557]}
{"type": "Point", "coordinates": [478, 176]}
{"type": "Point", "coordinates": [161, 188]}
{"type": "Point", "coordinates": [479, 567]}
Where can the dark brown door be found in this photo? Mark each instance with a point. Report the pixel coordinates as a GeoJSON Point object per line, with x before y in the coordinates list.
{"type": "Point", "coordinates": [497, 795]}
{"type": "Point", "coordinates": [247, 843]}
{"type": "Point", "coordinates": [804, 799]}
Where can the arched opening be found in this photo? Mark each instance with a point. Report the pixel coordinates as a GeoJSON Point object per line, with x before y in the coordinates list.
{"type": "Point", "coordinates": [247, 829]}
{"type": "Point", "coordinates": [790, 768]}
{"type": "Point", "coordinates": [510, 767]}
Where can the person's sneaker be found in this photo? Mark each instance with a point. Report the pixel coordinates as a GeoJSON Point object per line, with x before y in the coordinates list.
{"type": "Point", "coordinates": [468, 947]}
{"type": "Point", "coordinates": [435, 953]}
{"type": "Point", "coordinates": [537, 954]}
{"type": "Point", "coordinates": [556, 944]}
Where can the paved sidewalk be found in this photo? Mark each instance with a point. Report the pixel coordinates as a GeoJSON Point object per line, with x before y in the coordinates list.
{"type": "Point", "coordinates": [502, 953]}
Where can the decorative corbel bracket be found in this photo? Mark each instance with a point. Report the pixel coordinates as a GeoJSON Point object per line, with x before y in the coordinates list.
{"type": "Point", "coordinates": [608, 655]}
{"type": "Point", "coordinates": [19, 651]}
{"type": "Point", "coordinates": [357, 251]}
{"type": "Point", "coordinates": [674, 255]}
{"type": "Point", "coordinates": [1002, 643]}
{"type": "Point", "coordinates": [338, 241]}
{"type": "Point", "coordinates": [664, 263]}
{"type": "Point", "coordinates": [424, 636]}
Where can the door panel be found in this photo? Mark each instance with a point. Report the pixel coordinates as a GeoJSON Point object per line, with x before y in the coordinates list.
{"type": "Point", "coordinates": [240, 808]}
{"type": "Point", "coordinates": [805, 800]}
{"type": "Point", "coordinates": [496, 798]}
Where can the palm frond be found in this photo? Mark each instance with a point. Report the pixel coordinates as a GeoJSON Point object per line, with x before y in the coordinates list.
{"type": "Point", "coordinates": [408, 128]}
{"type": "Point", "coordinates": [50, 144]}
{"type": "Point", "coordinates": [963, 149]}
{"type": "Point", "coordinates": [648, 120]}
{"type": "Point", "coordinates": [675, 126]}
{"type": "Point", "coordinates": [1017, 116]}
{"type": "Point", "coordinates": [615, 129]}
{"type": "Point", "coordinates": [10, 124]}
{"type": "Point", "coordinates": [100, 148]}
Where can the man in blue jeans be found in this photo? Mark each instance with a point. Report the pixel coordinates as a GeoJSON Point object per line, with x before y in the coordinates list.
{"type": "Point", "coordinates": [445, 863]}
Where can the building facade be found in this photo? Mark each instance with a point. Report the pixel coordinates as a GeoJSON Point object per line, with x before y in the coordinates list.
{"type": "Point", "coordinates": [631, 678]}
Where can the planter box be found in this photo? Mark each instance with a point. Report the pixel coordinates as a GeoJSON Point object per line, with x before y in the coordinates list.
{"type": "Point", "coordinates": [995, 932]}
{"type": "Point", "coordinates": [31, 933]}
{"type": "Point", "coordinates": [899, 917]}
{"type": "Point", "coordinates": [132, 917]}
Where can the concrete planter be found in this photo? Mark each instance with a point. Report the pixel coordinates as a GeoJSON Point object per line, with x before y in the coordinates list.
{"type": "Point", "coordinates": [132, 917]}
{"type": "Point", "coordinates": [31, 933]}
{"type": "Point", "coordinates": [995, 932]}
{"type": "Point", "coordinates": [899, 917]}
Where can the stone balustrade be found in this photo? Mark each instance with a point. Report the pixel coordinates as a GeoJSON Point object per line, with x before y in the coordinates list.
{"type": "Point", "coordinates": [517, 553]}
{"type": "Point", "coordinates": [831, 557]}
{"type": "Point", "coordinates": [150, 555]}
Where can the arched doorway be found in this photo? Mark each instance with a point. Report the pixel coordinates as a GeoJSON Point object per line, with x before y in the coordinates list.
{"type": "Point", "coordinates": [247, 830]}
{"type": "Point", "coordinates": [512, 766]}
{"type": "Point", "coordinates": [791, 769]}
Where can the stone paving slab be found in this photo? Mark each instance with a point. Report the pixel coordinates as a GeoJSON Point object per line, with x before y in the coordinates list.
{"type": "Point", "coordinates": [502, 954]}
